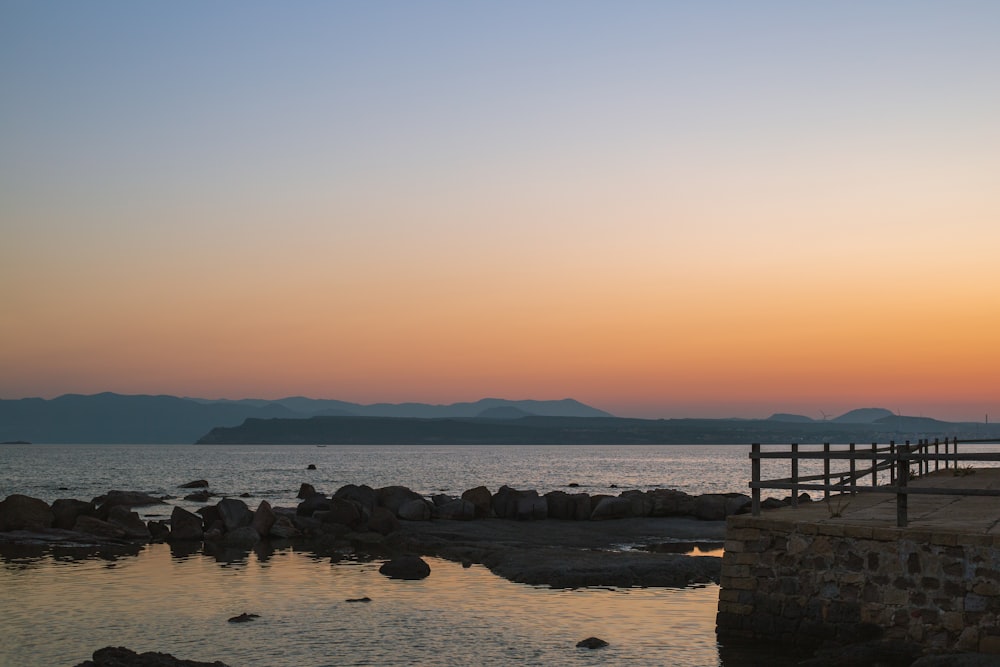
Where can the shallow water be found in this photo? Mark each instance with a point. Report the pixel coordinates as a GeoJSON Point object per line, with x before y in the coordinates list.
{"type": "Point", "coordinates": [63, 610]}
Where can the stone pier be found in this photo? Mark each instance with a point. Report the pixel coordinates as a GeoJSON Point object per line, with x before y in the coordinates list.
{"type": "Point", "coordinates": [840, 570]}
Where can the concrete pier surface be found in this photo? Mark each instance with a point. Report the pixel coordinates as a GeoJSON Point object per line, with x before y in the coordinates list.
{"type": "Point", "coordinates": [834, 570]}
{"type": "Point", "coordinates": [973, 515]}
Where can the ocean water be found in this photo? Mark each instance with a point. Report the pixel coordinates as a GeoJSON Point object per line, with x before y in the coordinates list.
{"type": "Point", "coordinates": [58, 611]}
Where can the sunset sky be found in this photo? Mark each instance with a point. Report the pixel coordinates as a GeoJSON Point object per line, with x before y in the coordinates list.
{"type": "Point", "coordinates": [662, 209]}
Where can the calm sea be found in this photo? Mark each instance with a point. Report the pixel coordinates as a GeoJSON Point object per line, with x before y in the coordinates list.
{"type": "Point", "coordinates": [57, 612]}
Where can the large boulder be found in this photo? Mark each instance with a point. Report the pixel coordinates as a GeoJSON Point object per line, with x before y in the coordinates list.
{"type": "Point", "coordinates": [124, 499]}
{"type": "Point", "coordinates": [509, 503]}
{"type": "Point", "coordinates": [394, 497]}
{"type": "Point", "coordinates": [66, 510]}
{"type": "Point", "coordinates": [383, 521]}
{"type": "Point", "coordinates": [642, 502]}
{"type": "Point", "coordinates": [671, 502]}
{"type": "Point", "coordinates": [344, 512]}
{"type": "Point", "coordinates": [568, 506]}
{"type": "Point", "coordinates": [457, 510]}
{"type": "Point", "coordinates": [235, 513]}
{"type": "Point", "coordinates": [305, 491]}
{"type": "Point", "coordinates": [94, 526]}
{"type": "Point", "coordinates": [283, 527]}
{"type": "Point", "coordinates": [612, 508]}
{"type": "Point", "coordinates": [242, 536]}
{"type": "Point", "coordinates": [185, 526]}
{"type": "Point", "coordinates": [20, 512]}
{"type": "Point", "coordinates": [482, 499]}
{"type": "Point", "coordinates": [416, 509]}
{"type": "Point", "coordinates": [717, 506]}
{"type": "Point", "coordinates": [407, 566]}
{"type": "Point", "coordinates": [317, 502]}
{"type": "Point", "coordinates": [130, 522]}
{"type": "Point", "coordinates": [365, 496]}
{"type": "Point", "coordinates": [263, 519]}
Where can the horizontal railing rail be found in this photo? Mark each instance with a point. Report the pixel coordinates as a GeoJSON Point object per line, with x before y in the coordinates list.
{"type": "Point", "coordinates": [864, 461]}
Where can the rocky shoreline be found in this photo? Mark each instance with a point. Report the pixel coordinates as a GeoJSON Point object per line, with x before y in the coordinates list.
{"type": "Point", "coordinates": [558, 539]}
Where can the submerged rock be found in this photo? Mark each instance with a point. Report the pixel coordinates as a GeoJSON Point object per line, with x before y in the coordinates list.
{"type": "Point", "coordinates": [407, 566]}
{"type": "Point", "coordinates": [120, 656]}
{"type": "Point", "coordinates": [196, 484]}
{"type": "Point", "coordinates": [591, 643]}
{"type": "Point", "coordinates": [244, 618]}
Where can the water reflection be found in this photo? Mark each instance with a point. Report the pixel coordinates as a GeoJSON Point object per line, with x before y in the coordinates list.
{"type": "Point", "coordinates": [177, 598]}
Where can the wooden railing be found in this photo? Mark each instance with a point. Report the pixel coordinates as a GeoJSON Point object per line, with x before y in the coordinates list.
{"type": "Point", "coordinates": [864, 461]}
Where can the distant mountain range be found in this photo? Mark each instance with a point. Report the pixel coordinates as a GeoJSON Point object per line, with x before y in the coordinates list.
{"type": "Point", "coordinates": [116, 418]}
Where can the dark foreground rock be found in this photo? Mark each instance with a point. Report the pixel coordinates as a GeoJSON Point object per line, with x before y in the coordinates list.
{"type": "Point", "coordinates": [120, 656]}
{"type": "Point", "coordinates": [407, 566]}
{"type": "Point", "coordinates": [570, 554]}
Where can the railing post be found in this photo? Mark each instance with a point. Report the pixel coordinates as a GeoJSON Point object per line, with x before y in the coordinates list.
{"type": "Point", "coordinates": [874, 464]}
{"type": "Point", "coordinates": [937, 452]}
{"type": "Point", "coordinates": [893, 461]}
{"type": "Point", "coordinates": [795, 474]}
{"type": "Point", "coordinates": [826, 471]}
{"type": "Point", "coordinates": [755, 476]}
{"type": "Point", "coordinates": [854, 479]}
{"type": "Point", "coordinates": [902, 473]}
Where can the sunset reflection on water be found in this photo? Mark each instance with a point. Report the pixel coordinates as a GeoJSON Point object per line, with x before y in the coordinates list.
{"type": "Point", "coordinates": [61, 611]}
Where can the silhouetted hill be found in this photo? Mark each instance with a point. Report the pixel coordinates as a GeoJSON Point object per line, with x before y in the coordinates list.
{"type": "Point", "coordinates": [503, 412]}
{"type": "Point", "coordinates": [786, 417]}
{"type": "Point", "coordinates": [566, 430]}
{"type": "Point", "coordinates": [863, 416]}
{"type": "Point", "coordinates": [116, 418]}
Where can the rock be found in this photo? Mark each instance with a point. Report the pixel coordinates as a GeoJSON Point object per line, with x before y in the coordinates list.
{"type": "Point", "coordinates": [242, 536]}
{"type": "Point", "coordinates": [510, 503]}
{"type": "Point", "coordinates": [773, 503]}
{"type": "Point", "coordinates": [343, 512]}
{"type": "Point", "coordinates": [568, 506]}
{"type": "Point", "coordinates": [283, 528]}
{"type": "Point", "coordinates": [243, 618]}
{"type": "Point", "coordinates": [457, 510]}
{"type": "Point", "coordinates": [94, 526]}
{"type": "Point", "coordinates": [134, 527]}
{"type": "Point", "coordinates": [66, 510]}
{"type": "Point", "coordinates": [235, 513]}
{"type": "Point", "coordinates": [196, 484]}
{"type": "Point", "coordinates": [210, 515]}
{"type": "Point", "coordinates": [671, 502]}
{"type": "Point", "coordinates": [612, 508]}
{"type": "Point", "coordinates": [125, 499]}
{"type": "Point", "coordinates": [364, 599]}
{"type": "Point", "coordinates": [573, 485]}
{"type": "Point", "coordinates": [393, 497]}
{"type": "Point", "coordinates": [717, 506]}
{"type": "Point", "coordinates": [958, 660]}
{"type": "Point", "coordinates": [365, 496]}
{"type": "Point", "coordinates": [383, 521]}
{"type": "Point", "coordinates": [20, 512]}
{"type": "Point", "coordinates": [417, 509]}
{"type": "Point", "coordinates": [159, 531]}
{"type": "Point", "coordinates": [311, 466]}
{"type": "Point", "coordinates": [263, 519]}
{"type": "Point", "coordinates": [246, 494]}
{"type": "Point", "coordinates": [185, 525]}
{"type": "Point", "coordinates": [642, 503]}
{"type": "Point", "coordinates": [591, 643]}
{"type": "Point", "coordinates": [314, 503]}
{"type": "Point", "coordinates": [405, 567]}
{"type": "Point", "coordinates": [122, 657]}
{"type": "Point", "coordinates": [482, 499]}
{"type": "Point", "coordinates": [439, 499]}
{"type": "Point", "coordinates": [306, 490]}
{"type": "Point", "coordinates": [199, 496]}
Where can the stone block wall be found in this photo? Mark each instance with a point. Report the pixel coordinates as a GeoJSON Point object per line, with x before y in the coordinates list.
{"type": "Point", "coordinates": [808, 583]}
